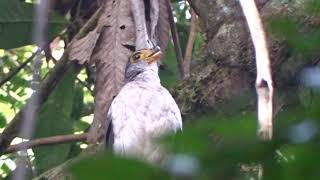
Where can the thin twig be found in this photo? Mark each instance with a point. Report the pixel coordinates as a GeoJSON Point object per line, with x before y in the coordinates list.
{"type": "Point", "coordinates": [61, 139]}
{"type": "Point", "coordinates": [14, 72]}
{"type": "Point", "coordinates": [189, 48]}
{"type": "Point", "coordinates": [176, 42]}
{"type": "Point", "coordinates": [85, 85]}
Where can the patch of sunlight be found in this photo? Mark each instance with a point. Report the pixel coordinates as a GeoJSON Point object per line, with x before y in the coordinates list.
{"type": "Point", "coordinates": [6, 111]}
{"type": "Point", "coordinates": [27, 54]}
{"type": "Point", "coordinates": [181, 5]}
{"type": "Point", "coordinates": [30, 154]}
{"type": "Point", "coordinates": [26, 76]}
{"type": "Point", "coordinates": [57, 48]}
{"type": "Point", "coordinates": [16, 96]}
{"type": "Point", "coordinates": [175, 19]}
{"type": "Point", "coordinates": [62, 44]}
{"type": "Point", "coordinates": [6, 70]}
{"type": "Point", "coordinates": [2, 52]}
{"type": "Point", "coordinates": [30, 47]}
{"type": "Point", "coordinates": [2, 173]}
{"type": "Point", "coordinates": [83, 146]}
{"type": "Point", "coordinates": [28, 92]}
{"type": "Point", "coordinates": [16, 140]}
{"type": "Point", "coordinates": [34, 49]}
{"type": "Point", "coordinates": [51, 64]}
{"type": "Point", "coordinates": [11, 164]}
{"type": "Point", "coordinates": [3, 93]}
{"type": "Point", "coordinates": [87, 119]}
{"type": "Point", "coordinates": [29, 1]}
{"type": "Point", "coordinates": [82, 75]}
{"type": "Point", "coordinates": [88, 98]}
{"type": "Point", "coordinates": [188, 15]}
{"type": "Point", "coordinates": [14, 57]}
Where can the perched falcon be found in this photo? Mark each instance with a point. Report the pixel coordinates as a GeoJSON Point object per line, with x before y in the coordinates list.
{"type": "Point", "coordinates": [143, 110]}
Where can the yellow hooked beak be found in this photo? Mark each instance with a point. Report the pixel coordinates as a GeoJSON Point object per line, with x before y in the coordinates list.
{"type": "Point", "coordinates": [154, 55]}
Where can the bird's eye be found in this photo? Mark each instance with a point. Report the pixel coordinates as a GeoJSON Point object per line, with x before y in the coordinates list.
{"type": "Point", "coordinates": [136, 57]}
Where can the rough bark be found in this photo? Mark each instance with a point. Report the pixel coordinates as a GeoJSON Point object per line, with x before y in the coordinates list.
{"type": "Point", "coordinates": [104, 47]}
{"type": "Point", "coordinates": [162, 29]}
{"type": "Point", "coordinates": [226, 68]}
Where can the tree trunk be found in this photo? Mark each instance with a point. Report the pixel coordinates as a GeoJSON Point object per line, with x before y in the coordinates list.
{"type": "Point", "coordinates": [226, 68]}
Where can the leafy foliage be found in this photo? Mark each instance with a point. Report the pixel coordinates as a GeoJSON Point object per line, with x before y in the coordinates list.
{"type": "Point", "coordinates": [118, 168]}
{"type": "Point", "coordinates": [55, 119]}
{"type": "Point", "coordinates": [225, 147]}
{"type": "Point", "coordinates": [213, 145]}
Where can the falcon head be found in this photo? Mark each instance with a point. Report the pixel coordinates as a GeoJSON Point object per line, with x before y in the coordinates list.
{"type": "Point", "coordinates": [141, 61]}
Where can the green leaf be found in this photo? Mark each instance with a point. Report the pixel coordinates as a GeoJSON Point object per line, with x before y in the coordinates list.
{"type": "Point", "coordinates": [77, 105]}
{"type": "Point", "coordinates": [111, 167]}
{"type": "Point", "coordinates": [16, 24]}
{"type": "Point", "coordinates": [55, 119]}
{"type": "Point", "coordinates": [5, 168]}
{"type": "Point", "coordinates": [81, 125]}
{"type": "Point", "coordinates": [3, 121]}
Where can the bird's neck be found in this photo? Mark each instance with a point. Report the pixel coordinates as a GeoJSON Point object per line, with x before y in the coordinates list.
{"type": "Point", "coordinates": [150, 75]}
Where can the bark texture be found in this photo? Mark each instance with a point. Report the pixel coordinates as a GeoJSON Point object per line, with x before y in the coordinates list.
{"type": "Point", "coordinates": [104, 47]}
{"type": "Point", "coordinates": [226, 68]}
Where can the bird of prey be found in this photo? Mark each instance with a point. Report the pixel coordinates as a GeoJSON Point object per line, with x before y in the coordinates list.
{"type": "Point", "coordinates": [143, 110]}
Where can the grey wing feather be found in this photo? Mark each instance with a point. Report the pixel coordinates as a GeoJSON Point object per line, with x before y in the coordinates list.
{"type": "Point", "coordinates": [109, 134]}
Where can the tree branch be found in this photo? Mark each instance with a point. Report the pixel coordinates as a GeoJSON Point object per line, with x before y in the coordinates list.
{"type": "Point", "coordinates": [46, 141]}
{"type": "Point", "coordinates": [189, 48]}
{"type": "Point", "coordinates": [142, 39]}
{"type": "Point", "coordinates": [264, 83]}
{"type": "Point", "coordinates": [176, 42]}
{"type": "Point", "coordinates": [14, 72]}
{"type": "Point", "coordinates": [85, 85]}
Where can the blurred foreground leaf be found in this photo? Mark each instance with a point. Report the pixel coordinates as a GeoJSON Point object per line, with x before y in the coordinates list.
{"type": "Point", "coordinates": [55, 119]}
{"type": "Point", "coordinates": [108, 166]}
{"type": "Point", "coordinates": [17, 22]}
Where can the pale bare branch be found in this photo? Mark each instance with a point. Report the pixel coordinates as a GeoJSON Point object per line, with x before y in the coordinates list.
{"type": "Point", "coordinates": [264, 84]}
{"type": "Point", "coordinates": [189, 48]}
{"type": "Point", "coordinates": [142, 39]}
